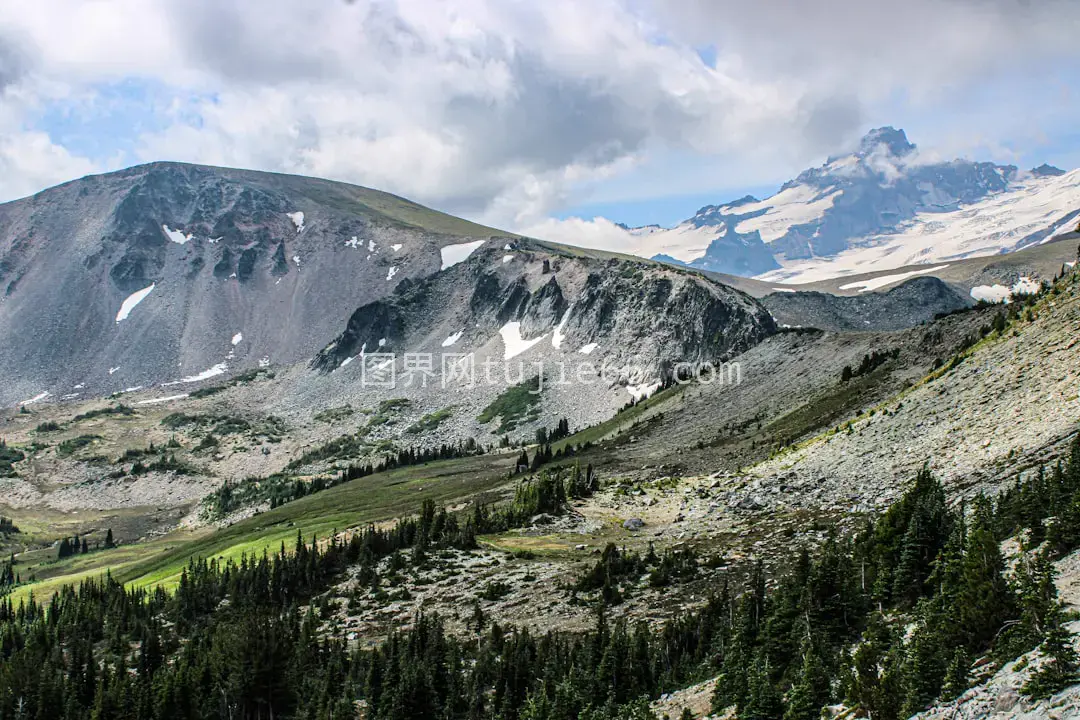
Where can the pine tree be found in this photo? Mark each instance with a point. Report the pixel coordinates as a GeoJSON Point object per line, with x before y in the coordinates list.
{"type": "Point", "coordinates": [1059, 668]}
{"type": "Point", "coordinates": [811, 690]}
{"type": "Point", "coordinates": [956, 675]}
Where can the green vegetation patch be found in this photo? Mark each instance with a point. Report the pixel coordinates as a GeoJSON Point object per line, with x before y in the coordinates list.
{"type": "Point", "coordinates": [335, 414]}
{"type": "Point", "coordinates": [430, 421]}
{"type": "Point", "coordinates": [514, 405]}
{"type": "Point", "coordinates": [8, 457]}
{"type": "Point", "coordinates": [119, 409]}
{"type": "Point", "coordinates": [69, 447]}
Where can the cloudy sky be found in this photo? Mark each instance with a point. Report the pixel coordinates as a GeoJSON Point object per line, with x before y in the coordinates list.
{"type": "Point", "coordinates": [523, 114]}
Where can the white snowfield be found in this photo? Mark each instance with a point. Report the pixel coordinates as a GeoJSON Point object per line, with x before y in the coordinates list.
{"type": "Point", "coordinates": [988, 227]}
{"type": "Point", "coordinates": [298, 220]}
{"type": "Point", "coordinates": [886, 280]}
{"type": "Point", "coordinates": [794, 206]}
{"type": "Point", "coordinates": [237, 339]}
{"type": "Point", "coordinates": [158, 401]}
{"type": "Point", "coordinates": [1000, 293]}
{"type": "Point", "coordinates": [557, 337]}
{"type": "Point", "coordinates": [451, 340]}
{"type": "Point", "coordinates": [219, 369]}
{"type": "Point", "coordinates": [454, 254]}
{"type": "Point", "coordinates": [513, 343]}
{"type": "Point", "coordinates": [131, 301]}
{"type": "Point", "coordinates": [176, 236]}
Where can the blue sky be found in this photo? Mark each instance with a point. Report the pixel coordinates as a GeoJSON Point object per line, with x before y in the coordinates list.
{"type": "Point", "coordinates": [518, 114]}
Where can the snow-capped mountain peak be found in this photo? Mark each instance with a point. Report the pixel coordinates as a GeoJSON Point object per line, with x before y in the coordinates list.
{"type": "Point", "coordinates": [881, 206]}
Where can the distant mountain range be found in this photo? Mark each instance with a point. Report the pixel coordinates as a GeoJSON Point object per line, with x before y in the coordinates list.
{"type": "Point", "coordinates": [883, 206]}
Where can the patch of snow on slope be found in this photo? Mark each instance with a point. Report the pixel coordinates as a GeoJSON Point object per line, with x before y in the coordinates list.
{"type": "Point", "coordinates": [297, 219]}
{"type": "Point", "coordinates": [158, 401]}
{"type": "Point", "coordinates": [995, 223]}
{"type": "Point", "coordinates": [396, 246]}
{"type": "Point", "coordinates": [1000, 293]}
{"type": "Point", "coordinates": [588, 349]}
{"type": "Point", "coordinates": [36, 398]}
{"type": "Point", "coordinates": [296, 259]}
{"type": "Point", "coordinates": [131, 301]}
{"type": "Point", "coordinates": [237, 339]}
{"type": "Point", "coordinates": [639, 392]}
{"type": "Point", "coordinates": [452, 339]}
{"type": "Point", "coordinates": [390, 275]}
{"type": "Point", "coordinates": [991, 293]}
{"type": "Point", "coordinates": [507, 258]}
{"type": "Point", "coordinates": [883, 280]}
{"type": "Point", "coordinates": [113, 370]}
{"type": "Point", "coordinates": [513, 343]}
{"type": "Point", "coordinates": [353, 243]}
{"type": "Point", "coordinates": [1026, 286]}
{"type": "Point", "coordinates": [219, 369]}
{"type": "Point", "coordinates": [454, 254]}
{"type": "Point", "coordinates": [176, 236]}
{"type": "Point", "coordinates": [796, 205]}
{"type": "Point", "coordinates": [370, 245]}
{"type": "Point", "coordinates": [557, 337]}
{"type": "Point", "coordinates": [775, 289]}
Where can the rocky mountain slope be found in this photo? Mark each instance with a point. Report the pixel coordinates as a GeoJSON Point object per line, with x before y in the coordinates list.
{"type": "Point", "coordinates": [166, 272]}
{"type": "Point", "coordinates": [883, 206]}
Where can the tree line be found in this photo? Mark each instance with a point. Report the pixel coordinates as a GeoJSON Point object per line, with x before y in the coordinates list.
{"type": "Point", "coordinates": [887, 619]}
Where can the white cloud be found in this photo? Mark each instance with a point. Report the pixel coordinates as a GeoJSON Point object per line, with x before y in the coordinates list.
{"type": "Point", "coordinates": [501, 110]}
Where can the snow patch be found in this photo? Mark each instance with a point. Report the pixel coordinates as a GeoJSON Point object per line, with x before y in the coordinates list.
{"type": "Point", "coordinates": [296, 259]}
{"type": "Point", "coordinates": [370, 245]}
{"type": "Point", "coordinates": [639, 392]}
{"type": "Point", "coordinates": [353, 243]}
{"type": "Point", "coordinates": [883, 280]}
{"type": "Point", "coordinates": [454, 254]}
{"type": "Point", "coordinates": [131, 301]}
{"type": "Point", "coordinates": [999, 293]}
{"type": "Point", "coordinates": [158, 401]}
{"type": "Point", "coordinates": [36, 398]}
{"type": "Point", "coordinates": [452, 339]}
{"type": "Point", "coordinates": [588, 349]}
{"type": "Point", "coordinates": [297, 219]}
{"type": "Point", "coordinates": [113, 370]}
{"type": "Point", "coordinates": [392, 272]}
{"type": "Point", "coordinates": [382, 342]}
{"type": "Point", "coordinates": [513, 343]}
{"type": "Point", "coordinates": [237, 339]}
{"type": "Point", "coordinates": [396, 246]}
{"type": "Point", "coordinates": [557, 337]}
{"type": "Point", "coordinates": [219, 369]}
{"type": "Point", "coordinates": [507, 258]}
{"type": "Point", "coordinates": [264, 361]}
{"type": "Point", "coordinates": [176, 236]}
{"type": "Point", "coordinates": [783, 290]}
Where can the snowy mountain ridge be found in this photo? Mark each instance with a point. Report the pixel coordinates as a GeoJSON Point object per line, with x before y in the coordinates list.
{"type": "Point", "coordinates": [883, 206]}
